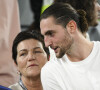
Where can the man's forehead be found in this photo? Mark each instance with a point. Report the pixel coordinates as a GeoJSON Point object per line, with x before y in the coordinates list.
{"type": "Point", "coordinates": [46, 25]}
{"type": "Point", "coordinates": [48, 19]}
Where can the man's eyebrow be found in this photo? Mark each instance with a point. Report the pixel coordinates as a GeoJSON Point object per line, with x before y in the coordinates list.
{"type": "Point", "coordinates": [49, 32]}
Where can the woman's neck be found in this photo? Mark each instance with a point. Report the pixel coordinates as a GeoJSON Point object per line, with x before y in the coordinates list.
{"type": "Point", "coordinates": [32, 83]}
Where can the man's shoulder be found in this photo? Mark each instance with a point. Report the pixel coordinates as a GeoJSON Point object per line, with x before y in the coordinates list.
{"type": "Point", "coordinates": [97, 43]}
{"type": "Point", "coordinates": [96, 48]}
{"type": "Point", "coordinates": [49, 65]}
{"type": "Point", "coordinates": [54, 65]}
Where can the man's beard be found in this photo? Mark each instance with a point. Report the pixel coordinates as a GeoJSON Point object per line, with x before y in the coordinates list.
{"type": "Point", "coordinates": [61, 53]}
{"type": "Point", "coordinates": [65, 49]}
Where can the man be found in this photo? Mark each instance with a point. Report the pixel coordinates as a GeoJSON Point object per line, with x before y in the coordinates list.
{"type": "Point", "coordinates": [77, 64]}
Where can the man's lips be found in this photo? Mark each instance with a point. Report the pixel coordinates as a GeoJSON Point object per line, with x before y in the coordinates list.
{"type": "Point", "coordinates": [55, 49]}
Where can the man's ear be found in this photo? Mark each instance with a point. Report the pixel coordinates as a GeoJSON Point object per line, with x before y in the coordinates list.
{"type": "Point", "coordinates": [71, 26]}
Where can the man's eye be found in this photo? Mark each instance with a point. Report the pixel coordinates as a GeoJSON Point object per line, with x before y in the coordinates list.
{"type": "Point", "coordinates": [51, 34]}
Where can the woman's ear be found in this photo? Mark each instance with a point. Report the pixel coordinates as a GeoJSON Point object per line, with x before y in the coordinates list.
{"type": "Point", "coordinates": [18, 72]}
{"type": "Point", "coordinates": [71, 26]}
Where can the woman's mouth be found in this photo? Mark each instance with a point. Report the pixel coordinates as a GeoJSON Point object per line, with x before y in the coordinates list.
{"type": "Point", "coordinates": [32, 65]}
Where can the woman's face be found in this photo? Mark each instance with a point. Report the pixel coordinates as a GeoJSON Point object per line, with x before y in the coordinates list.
{"type": "Point", "coordinates": [30, 57]}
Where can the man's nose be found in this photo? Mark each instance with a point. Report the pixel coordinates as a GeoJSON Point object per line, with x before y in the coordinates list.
{"type": "Point", "coordinates": [47, 41]}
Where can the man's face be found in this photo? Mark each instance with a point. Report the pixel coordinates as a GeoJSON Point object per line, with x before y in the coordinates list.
{"type": "Point", "coordinates": [56, 36]}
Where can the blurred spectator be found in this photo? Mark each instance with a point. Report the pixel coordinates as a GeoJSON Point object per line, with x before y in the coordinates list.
{"type": "Point", "coordinates": [94, 31]}
{"type": "Point", "coordinates": [9, 27]}
{"type": "Point", "coordinates": [30, 11]}
{"type": "Point", "coordinates": [36, 9]}
{"type": "Point", "coordinates": [46, 4]}
{"type": "Point", "coordinates": [99, 11]}
{"type": "Point", "coordinates": [26, 15]}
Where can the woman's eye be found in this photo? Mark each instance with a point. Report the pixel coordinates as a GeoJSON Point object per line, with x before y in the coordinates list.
{"type": "Point", "coordinates": [23, 54]}
{"type": "Point", "coordinates": [38, 52]}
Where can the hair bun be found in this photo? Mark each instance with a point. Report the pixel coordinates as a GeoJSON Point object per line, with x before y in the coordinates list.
{"type": "Point", "coordinates": [83, 21]}
{"type": "Point", "coordinates": [81, 12]}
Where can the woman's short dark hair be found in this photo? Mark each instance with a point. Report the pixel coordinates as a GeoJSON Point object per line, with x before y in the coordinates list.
{"type": "Point", "coordinates": [24, 35]}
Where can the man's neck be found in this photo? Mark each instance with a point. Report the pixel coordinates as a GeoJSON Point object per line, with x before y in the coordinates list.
{"type": "Point", "coordinates": [80, 51]}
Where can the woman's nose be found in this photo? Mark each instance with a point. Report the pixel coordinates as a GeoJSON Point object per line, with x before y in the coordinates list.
{"type": "Point", "coordinates": [31, 56]}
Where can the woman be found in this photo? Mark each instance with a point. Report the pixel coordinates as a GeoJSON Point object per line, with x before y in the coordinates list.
{"type": "Point", "coordinates": [29, 54]}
